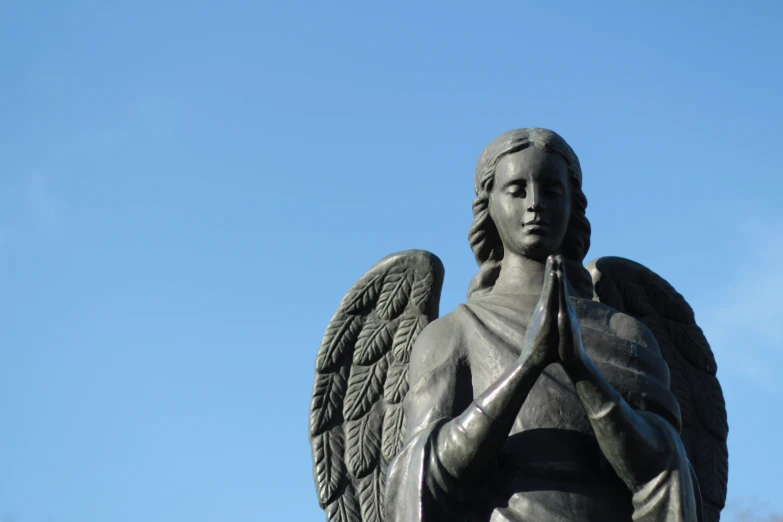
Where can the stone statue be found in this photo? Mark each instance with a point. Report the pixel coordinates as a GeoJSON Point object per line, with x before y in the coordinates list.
{"type": "Point", "coordinates": [555, 393]}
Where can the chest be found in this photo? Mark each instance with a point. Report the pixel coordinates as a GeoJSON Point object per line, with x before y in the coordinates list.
{"type": "Point", "coordinates": [552, 403]}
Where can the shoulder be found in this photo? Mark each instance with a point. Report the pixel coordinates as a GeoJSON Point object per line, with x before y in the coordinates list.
{"type": "Point", "coordinates": [603, 317]}
{"type": "Point", "coordinates": [444, 324]}
{"type": "Point", "coordinates": [438, 343]}
{"type": "Point", "coordinates": [442, 334]}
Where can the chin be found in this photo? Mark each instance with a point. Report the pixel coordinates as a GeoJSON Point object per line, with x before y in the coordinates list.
{"type": "Point", "coordinates": [537, 248]}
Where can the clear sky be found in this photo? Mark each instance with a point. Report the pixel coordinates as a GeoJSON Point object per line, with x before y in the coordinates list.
{"type": "Point", "coordinates": [187, 189]}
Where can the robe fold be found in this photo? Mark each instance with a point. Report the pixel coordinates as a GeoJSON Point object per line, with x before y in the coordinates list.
{"type": "Point", "coordinates": [551, 467]}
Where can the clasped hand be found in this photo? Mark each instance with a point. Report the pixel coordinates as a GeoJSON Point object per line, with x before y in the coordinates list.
{"type": "Point", "coordinates": [553, 334]}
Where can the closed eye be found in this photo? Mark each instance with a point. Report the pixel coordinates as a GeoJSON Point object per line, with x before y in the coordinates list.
{"type": "Point", "coordinates": [554, 190]}
{"type": "Point", "coordinates": [516, 190]}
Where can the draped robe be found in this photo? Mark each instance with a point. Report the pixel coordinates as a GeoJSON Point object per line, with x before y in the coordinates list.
{"type": "Point", "coordinates": [550, 467]}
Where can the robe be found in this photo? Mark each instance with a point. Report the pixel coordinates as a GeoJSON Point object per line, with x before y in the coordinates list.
{"type": "Point", "coordinates": [550, 467]}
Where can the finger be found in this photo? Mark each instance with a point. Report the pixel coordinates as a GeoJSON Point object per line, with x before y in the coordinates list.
{"type": "Point", "coordinates": [562, 297]}
{"type": "Point", "coordinates": [567, 318]}
{"type": "Point", "coordinates": [561, 264]}
{"type": "Point", "coordinates": [548, 299]}
{"type": "Point", "coordinates": [548, 282]}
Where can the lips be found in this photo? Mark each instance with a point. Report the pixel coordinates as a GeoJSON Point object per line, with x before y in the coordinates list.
{"type": "Point", "coordinates": [535, 226]}
{"type": "Point", "coordinates": [536, 223]}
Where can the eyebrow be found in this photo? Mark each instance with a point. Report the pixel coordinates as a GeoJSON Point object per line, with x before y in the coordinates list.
{"type": "Point", "coordinates": [546, 177]}
{"type": "Point", "coordinates": [513, 180]}
{"type": "Point", "coordinates": [549, 179]}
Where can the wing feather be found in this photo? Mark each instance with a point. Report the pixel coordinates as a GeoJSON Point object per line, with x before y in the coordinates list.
{"type": "Point", "coordinates": [357, 422]}
{"type": "Point", "coordinates": [329, 466]}
{"type": "Point", "coordinates": [374, 340]}
{"type": "Point", "coordinates": [393, 431]}
{"type": "Point", "coordinates": [327, 402]}
{"type": "Point", "coordinates": [371, 497]}
{"type": "Point", "coordinates": [421, 293]}
{"type": "Point", "coordinates": [344, 508]}
{"type": "Point", "coordinates": [365, 386]}
{"type": "Point", "coordinates": [636, 290]}
{"type": "Point", "coordinates": [340, 336]}
{"type": "Point", "coordinates": [407, 332]}
{"type": "Point", "coordinates": [396, 384]}
{"type": "Point", "coordinates": [364, 443]}
{"type": "Point", "coordinates": [395, 293]}
{"type": "Point", "coordinates": [363, 296]}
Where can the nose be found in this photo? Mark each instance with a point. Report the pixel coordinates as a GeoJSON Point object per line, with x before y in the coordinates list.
{"type": "Point", "coordinates": [534, 198]}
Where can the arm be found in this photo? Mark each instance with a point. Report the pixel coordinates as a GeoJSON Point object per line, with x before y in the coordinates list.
{"type": "Point", "coordinates": [634, 447]}
{"type": "Point", "coordinates": [470, 443]}
{"type": "Point", "coordinates": [644, 449]}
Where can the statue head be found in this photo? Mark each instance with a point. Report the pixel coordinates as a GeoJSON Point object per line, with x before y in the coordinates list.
{"type": "Point", "coordinates": [529, 201]}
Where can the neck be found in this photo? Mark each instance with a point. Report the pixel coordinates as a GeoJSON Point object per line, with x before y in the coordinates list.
{"type": "Point", "coordinates": [522, 275]}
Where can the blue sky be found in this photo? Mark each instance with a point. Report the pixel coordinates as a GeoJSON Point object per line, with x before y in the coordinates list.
{"type": "Point", "coordinates": [188, 189]}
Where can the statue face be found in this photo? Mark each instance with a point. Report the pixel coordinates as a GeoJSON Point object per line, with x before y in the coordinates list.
{"type": "Point", "coordinates": [530, 202]}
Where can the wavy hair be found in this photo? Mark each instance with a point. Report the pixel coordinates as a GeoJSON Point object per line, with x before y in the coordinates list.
{"type": "Point", "coordinates": [483, 235]}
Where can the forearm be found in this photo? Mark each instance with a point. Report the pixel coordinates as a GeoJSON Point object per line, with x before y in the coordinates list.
{"type": "Point", "coordinates": [632, 446]}
{"type": "Point", "coordinates": [472, 441]}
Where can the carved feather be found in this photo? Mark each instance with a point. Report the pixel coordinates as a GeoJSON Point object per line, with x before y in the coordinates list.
{"type": "Point", "coordinates": [371, 497]}
{"type": "Point", "coordinates": [407, 332]}
{"type": "Point", "coordinates": [362, 298]}
{"type": "Point", "coordinates": [363, 446]}
{"type": "Point", "coordinates": [393, 431]}
{"type": "Point", "coordinates": [357, 422]}
{"type": "Point", "coordinates": [327, 401]}
{"type": "Point", "coordinates": [421, 292]}
{"type": "Point", "coordinates": [712, 462]}
{"type": "Point", "coordinates": [394, 294]}
{"type": "Point", "coordinates": [329, 466]}
{"type": "Point", "coordinates": [344, 508]}
{"type": "Point", "coordinates": [340, 337]}
{"type": "Point", "coordinates": [374, 340]}
{"type": "Point", "coordinates": [396, 384]}
{"type": "Point", "coordinates": [365, 386]}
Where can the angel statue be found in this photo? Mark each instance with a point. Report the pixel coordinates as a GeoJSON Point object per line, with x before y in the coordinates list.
{"type": "Point", "coordinates": [557, 392]}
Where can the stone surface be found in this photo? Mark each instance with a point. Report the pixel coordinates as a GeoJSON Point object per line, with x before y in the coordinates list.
{"type": "Point", "coordinates": [556, 392]}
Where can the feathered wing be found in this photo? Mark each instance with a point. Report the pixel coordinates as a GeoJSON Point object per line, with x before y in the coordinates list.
{"type": "Point", "coordinates": [636, 290]}
{"type": "Point", "coordinates": [357, 424]}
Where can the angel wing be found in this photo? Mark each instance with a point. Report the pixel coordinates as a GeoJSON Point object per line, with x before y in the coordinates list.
{"type": "Point", "coordinates": [636, 290]}
{"type": "Point", "coordinates": [357, 423]}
